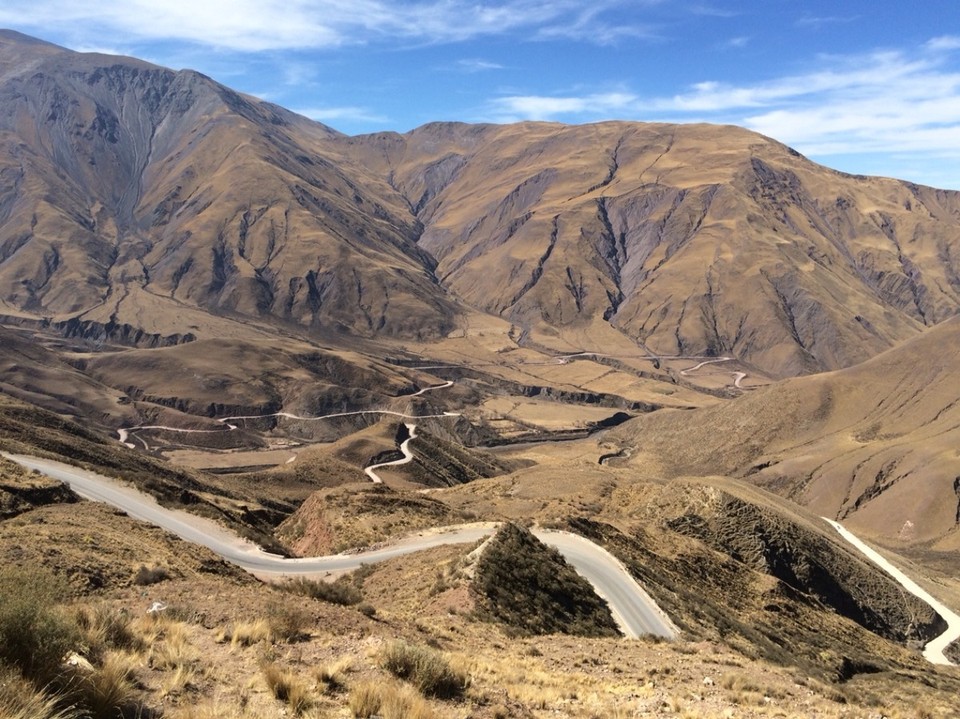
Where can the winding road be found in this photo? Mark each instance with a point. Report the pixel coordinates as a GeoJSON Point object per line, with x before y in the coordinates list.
{"type": "Point", "coordinates": [126, 433]}
{"type": "Point", "coordinates": [934, 651]}
{"type": "Point", "coordinates": [371, 471]}
{"type": "Point", "coordinates": [633, 609]}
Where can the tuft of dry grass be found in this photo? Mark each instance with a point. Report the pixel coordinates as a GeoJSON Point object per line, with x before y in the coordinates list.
{"type": "Point", "coordinates": [332, 677]}
{"type": "Point", "coordinates": [103, 628]}
{"type": "Point", "coordinates": [20, 700]}
{"type": "Point", "coordinates": [108, 691]}
{"type": "Point", "coordinates": [427, 669]}
{"type": "Point", "coordinates": [388, 701]}
{"type": "Point", "coordinates": [287, 687]}
{"type": "Point", "coordinates": [245, 634]}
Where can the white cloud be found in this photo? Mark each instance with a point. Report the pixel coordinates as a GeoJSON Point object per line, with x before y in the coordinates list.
{"type": "Point", "coordinates": [257, 25]}
{"type": "Point", "coordinates": [478, 65]}
{"type": "Point", "coordinates": [539, 107]}
{"type": "Point", "coordinates": [886, 101]}
{"type": "Point", "coordinates": [331, 114]}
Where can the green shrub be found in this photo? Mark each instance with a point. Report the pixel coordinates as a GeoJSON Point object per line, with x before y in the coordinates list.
{"type": "Point", "coordinates": [425, 668]}
{"type": "Point", "coordinates": [34, 634]}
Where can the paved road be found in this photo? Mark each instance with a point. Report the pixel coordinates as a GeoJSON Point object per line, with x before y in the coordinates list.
{"type": "Point", "coordinates": [636, 613]}
{"type": "Point", "coordinates": [934, 651]}
{"type": "Point", "coordinates": [371, 471]}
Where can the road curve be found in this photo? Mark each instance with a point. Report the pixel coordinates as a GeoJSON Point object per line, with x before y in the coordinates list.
{"type": "Point", "coordinates": [633, 609]}
{"type": "Point", "coordinates": [933, 652]}
{"type": "Point", "coordinates": [371, 471]}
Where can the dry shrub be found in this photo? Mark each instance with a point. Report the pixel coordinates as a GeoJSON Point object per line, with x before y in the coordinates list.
{"type": "Point", "coordinates": [286, 687]}
{"type": "Point", "coordinates": [428, 670]}
{"type": "Point", "coordinates": [146, 576]}
{"type": "Point", "coordinates": [288, 623]}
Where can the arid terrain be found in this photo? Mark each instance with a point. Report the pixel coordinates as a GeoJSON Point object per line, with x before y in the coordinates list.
{"type": "Point", "coordinates": [687, 344]}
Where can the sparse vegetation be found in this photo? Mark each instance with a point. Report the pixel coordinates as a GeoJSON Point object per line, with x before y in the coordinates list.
{"type": "Point", "coordinates": [34, 633]}
{"type": "Point", "coordinates": [287, 688]}
{"type": "Point", "coordinates": [146, 576]}
{"type": "Point", "coordinates": [287, 622]}
{"type": "Point", "coordinates": [531, 588]}
{"type": "Point", "coordinates": [342, 591]}
{"type": "Point", "coordinates": [426, 669]}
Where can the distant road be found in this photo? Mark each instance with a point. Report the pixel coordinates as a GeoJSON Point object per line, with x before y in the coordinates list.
{"type": "Point", "coordinates": [934, 650]}
{"type": "Point", "coordinates": [633, 609]}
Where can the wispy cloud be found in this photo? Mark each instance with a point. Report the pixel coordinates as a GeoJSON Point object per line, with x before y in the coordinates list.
{"type": "Point", "coordinates": [815, 22]}
{"type": "Point", "coordinates": [890, 101]}
{"type": "Point", "coordinates": [736, 42]}
{"type": "Point", "coordinates": [477, 65]}
{"type": "Point", "coordinates": [257, 25]}
{"type": "Point", "coordinates": [332, 114]}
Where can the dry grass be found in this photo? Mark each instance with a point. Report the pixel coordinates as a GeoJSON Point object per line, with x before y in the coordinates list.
{"type": "Point", "coordinates": [287, 687]}
{"type": "Point", "coordinates": [20, 700]}
{"type": "Point", "coordinates": [388, 701]}
{"type": "Point", "coordinates": [245, 634]}
{"type": "Point", "coordinates": [108, 691]}
{"type": "Point", "coordinates": [426, 669]}
{"type": "Point", "coordinates": [331, 677]}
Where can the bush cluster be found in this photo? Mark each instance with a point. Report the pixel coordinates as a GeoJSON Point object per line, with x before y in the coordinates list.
{"type": "Point", "coordinates": [427, 669]}
{"type": "Point", "coordinates": [530, 587]}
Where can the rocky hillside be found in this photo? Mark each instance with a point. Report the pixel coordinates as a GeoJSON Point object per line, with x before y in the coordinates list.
{"type": "Point", "coordinates": [692, 239]}
{"type": "Point", "coordinates": [130, 192]}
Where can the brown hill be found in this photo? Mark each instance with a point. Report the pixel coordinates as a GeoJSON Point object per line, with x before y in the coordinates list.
{"type": "Point", "coordinates": [139, 204]}
{"type": "Point", "coordinates": [874, 445]}
{"type": "Point", "coordinates": [692, 239]}
{"type": "Point", "coordinates": [131, 193]}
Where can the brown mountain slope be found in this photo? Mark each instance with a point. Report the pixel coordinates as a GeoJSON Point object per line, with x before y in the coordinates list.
{"type": "Point", "coordinates": [692, 239]}
{"type": "Point", "coordinates": [874, 445]}
{"type": "Point", "coordinates": [130, 191]}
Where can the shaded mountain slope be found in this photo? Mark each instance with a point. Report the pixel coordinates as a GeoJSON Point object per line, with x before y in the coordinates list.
{"type": "Point", "coordinates": [693, 239]}
{"type": "Point", "coordinates": [874, 445]}
{"type": "Point", "coordinates": [130, 190]}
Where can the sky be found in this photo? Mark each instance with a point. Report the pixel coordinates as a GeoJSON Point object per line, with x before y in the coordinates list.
{"type": "Point", "coordinates": [863, 87]}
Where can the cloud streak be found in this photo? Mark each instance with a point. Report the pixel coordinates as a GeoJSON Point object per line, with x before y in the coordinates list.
{"type": "Point", "coordinates": [889, 101]}
{"type": "Point", "coordinates": [260, 25]}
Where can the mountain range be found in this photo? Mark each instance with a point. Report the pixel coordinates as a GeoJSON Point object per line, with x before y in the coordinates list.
{"type": "Point", "coordinates": [687, 343]}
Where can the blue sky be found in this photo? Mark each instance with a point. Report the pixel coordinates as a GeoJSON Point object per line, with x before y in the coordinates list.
{"type": "Point", "coordinates": [865, 87]}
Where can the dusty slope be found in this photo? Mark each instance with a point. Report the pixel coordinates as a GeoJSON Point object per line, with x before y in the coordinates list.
{"type": "Point", "coordinates": [692, 239]}
{"type": "Point", "coordinates": [874, 445]}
